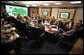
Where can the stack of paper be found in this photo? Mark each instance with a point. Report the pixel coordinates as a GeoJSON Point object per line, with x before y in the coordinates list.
{"type": "Point", "coordinates": [54, 29]}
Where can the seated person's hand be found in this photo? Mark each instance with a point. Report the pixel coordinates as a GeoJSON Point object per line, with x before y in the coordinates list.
{"type": "Point", "coordinates": [12, 29]}
{"type": "Point", "coordinates": [64, 33]}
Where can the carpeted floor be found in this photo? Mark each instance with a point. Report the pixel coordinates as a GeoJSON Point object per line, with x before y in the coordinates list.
{"type": "Point", "coordinates": [44, 47]}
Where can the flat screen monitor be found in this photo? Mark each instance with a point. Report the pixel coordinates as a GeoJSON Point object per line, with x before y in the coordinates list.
{"type": "Point", "coordinates": [16, 9]}
{"type": "Point", "coordinates": [64, 15]}
{"type": "Point", "coordinates": [45, 13]}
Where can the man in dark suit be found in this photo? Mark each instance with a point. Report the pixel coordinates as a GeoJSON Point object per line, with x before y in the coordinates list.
{"type": "Point", "coordinates": [53, 20]}
{"type": "Point", "coordinates": [33, 16]}
{"type": "Point", "coordinates": [36, 16]}
{"type": "Point", "coordinates": [40, 25]}
{"type": "Point", "coordinates": [43, 19]}
{"type": "Point", "coordinates": [19, 17]}
{"type": "Point", "coordinates": [79, 25]}
{"type": "Point", "coordinates": [59, 24]}
{"type": "Point", "coordinates": [69, 25]}
{"type": "Point", "coordinates": [80, 28]}
{"type": "Point", "coordinates": [5, 16]}
{"type": "Point", "coordinates": [68, 33]}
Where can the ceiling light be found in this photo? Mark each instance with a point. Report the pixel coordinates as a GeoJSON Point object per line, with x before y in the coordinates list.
{"type": "Point", "coordinates": [46, 4]}
{"type": "Point", "coordinates": [58, 3]}
{"type": "Point", "coordinates": [75, 2]}
{"type": "Point", "coordinates": [10, 2]}
{"type": "Point", "coordinates": [34, 5]}
{"type": "Point", "coordinates": [48, 1]}
{"type": "Point", "coordinates": [27, 5]}
{"type": "Point", "coordinates": [34, 1]}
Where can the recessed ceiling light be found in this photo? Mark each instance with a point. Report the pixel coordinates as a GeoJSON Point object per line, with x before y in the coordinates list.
{"type": "Point", "coordinates": [34, 1]}
{"type": "Point", "coordinates": [58, 3]}
{"type": "Point", "coordinates": [34, 5]}
{"type": "Point", "coordinates": [48, 1]}
{"type": "Point", "coordinates": [46, 4]}
{"type": "Point", "coordinates": [10, 2]}
{"type": "Point", "coordinates": [25, 2]}
{"type": "Point", "coordinates": [75, 2]}
{"type": "Point", "coordinates": [27, 5]}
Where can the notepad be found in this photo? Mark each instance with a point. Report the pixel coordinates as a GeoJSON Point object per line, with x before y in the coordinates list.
{"type": "Point", "coordinates": [54, 29]}
{"type": "Point", "coordinates": [53, 25]}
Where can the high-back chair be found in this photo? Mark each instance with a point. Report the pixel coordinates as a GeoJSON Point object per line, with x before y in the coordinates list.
{"type": "Point", "coordinates": [36, 33]}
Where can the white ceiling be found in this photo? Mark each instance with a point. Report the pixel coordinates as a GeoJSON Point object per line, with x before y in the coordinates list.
{"type": "Point", "coordinates": [40, 3]}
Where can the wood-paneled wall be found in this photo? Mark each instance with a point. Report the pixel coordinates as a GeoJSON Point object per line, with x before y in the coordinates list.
{"type": "Point", "coordinates": [33, 11]}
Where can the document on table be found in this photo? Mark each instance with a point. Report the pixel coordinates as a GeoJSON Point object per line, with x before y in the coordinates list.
{"type": "Point", "coordinates": [46, 28]}
{"type": "Point", "coordinates": [54, 29]}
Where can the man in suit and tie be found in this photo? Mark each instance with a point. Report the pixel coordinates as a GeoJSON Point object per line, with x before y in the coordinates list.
{"type": "Point", "coordinates": [19, 17]}
{"type": "Point", "coordinates": [69, 25]}
{"type": "Point", "coordinates": [68, 33]}
{"type": "Point", "coordinates": [39, 24]}
{"type": "Point", "coordinates": [6, 16]}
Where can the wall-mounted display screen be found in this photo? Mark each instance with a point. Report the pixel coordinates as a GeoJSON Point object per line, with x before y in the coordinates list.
{"type": "Point", "coordinates": [64, 15]}
{"type": "Point", "coordinates": [45, 13]}
{"type": "Point", "coordinates": [16, 9]}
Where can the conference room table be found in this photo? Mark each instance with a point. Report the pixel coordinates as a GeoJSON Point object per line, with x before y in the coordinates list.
{"type": "Point", "coordinates": [32, 31]}
{"type": "Point", "coordinates": [48, 27]}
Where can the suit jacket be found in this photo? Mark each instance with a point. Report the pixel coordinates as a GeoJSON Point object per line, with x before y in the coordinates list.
{"type": "Point", "coordinates": [43, 20]}
{"type": "Point", "coordinates": [52, 21]}
{"type": "Point", "coordinates": [19, 18]}
{"type": "Point", "coordinates": [60, 25]}
{"type": "Point", "coordinates": [68, 33]}
{"type": "Point", "coordinates": [71, 33]}
{"type": "Point", "coordinates": [79, 26]}
{"type": "Point", "coordinates": [71, 24]}
{"type": "Point", "coordinates": [41, 26]}
{"type": "Point", "coordinates": [60, 30]}
{"type": "Point", "coordinates": [5, 15]}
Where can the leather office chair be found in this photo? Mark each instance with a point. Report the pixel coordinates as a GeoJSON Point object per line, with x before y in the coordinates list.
{"type": "Point", "coordinates": [68, 42]}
